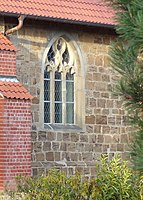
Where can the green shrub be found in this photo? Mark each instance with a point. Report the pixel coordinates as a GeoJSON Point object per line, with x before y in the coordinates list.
{"type": "Point", "coordinates": [56, 186]}
{"type": "Point", "coordinates": [114, 181]}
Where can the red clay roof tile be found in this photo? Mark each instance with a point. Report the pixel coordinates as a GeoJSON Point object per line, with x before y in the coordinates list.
{"type": "Point", "coordinates": [14, 90]}
{"type": "Point", "coordinates": [83, 11]}
{"type": "Point", "coordinates": [6, 44]}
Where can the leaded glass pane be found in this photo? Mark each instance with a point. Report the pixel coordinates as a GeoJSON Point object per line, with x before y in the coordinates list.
{"type": "Point", "coordinates": [51, 55]}
{"type": "Point", "coordinates": [58, 87]}
{"type": "Point", "coordinates": [46, 96]}
{"type": "Point", "coordinates": [46, 74]}
{"type": "Point", "coordinates": [58, 91]}
{"type": "Point", "coordinates": [57, 75]}
{"type": "Point", "coordinates": [69, 76]}
{"type": "Point", "coordinates": [65, 56]}
{"type": "Point", "coordinates": [47, 90]}
{"type": "Point", "coordinates": [69, 98]}
{"type": "Point", "coordinates": [69, 91]}
{"type": "Point", "coordinates": [70, 113]}
{"type": "Point", "coordinates": [58, 112]}
{"type": "Point", "coordinates": [46, 112]}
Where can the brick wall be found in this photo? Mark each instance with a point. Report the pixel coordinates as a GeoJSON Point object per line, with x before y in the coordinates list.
{"type": "Point", "coordinates": [15, 143]}
{"type": "Point", "coordinates": [2, 149]}
{"type": "Point", "coordinates": [7, 63]}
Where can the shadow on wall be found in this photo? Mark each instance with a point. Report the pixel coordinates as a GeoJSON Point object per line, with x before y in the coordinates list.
{"type": "Point", "coordinates": [29, 67]}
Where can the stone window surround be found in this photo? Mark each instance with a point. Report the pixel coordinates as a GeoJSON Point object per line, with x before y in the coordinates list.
{"type": "Point", "coordinates": [59, 65]}
{"type": "Point", "coordinates": [71, 39]}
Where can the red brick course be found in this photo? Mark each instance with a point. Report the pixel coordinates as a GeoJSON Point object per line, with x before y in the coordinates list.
{"type": "Point", "coordinates": [7, 63]}
{"type": "Point", "coordinates": [15, 140]}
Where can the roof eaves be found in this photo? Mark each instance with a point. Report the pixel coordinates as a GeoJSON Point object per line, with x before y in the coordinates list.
{"type": "Point", "coordinates": [61, 20]}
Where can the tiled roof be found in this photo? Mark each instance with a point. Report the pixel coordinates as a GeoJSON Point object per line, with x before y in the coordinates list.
{"type": "Point", "coordinates": [81, 11]}
{"type": "Point", "coordinates": [6, 44]}
{"type": "Point", "coordinates": [14, 90]}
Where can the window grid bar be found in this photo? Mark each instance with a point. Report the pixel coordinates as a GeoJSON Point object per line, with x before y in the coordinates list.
{"type": "Point", "coordinates": [46, 79]}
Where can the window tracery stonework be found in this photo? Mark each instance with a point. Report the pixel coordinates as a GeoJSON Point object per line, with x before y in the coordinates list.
{"type": "Point", "coordinates": [59, 84]}
{"type": "Point", "coordinates": [60, 57]}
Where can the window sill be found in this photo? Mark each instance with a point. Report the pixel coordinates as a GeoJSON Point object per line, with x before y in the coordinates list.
{"type": "Point", "coordinates": [63, 128]}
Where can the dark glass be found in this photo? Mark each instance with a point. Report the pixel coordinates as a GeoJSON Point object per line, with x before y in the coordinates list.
{"type": "Point", "coordinates": [46, 90]}
{"type": "Point", "coordinates": [65, 56]}
{"type": "Point", "coordinates": [57, 75]}
{"type": "Point", "coordinates": [46, 112]}
{"type": "Point", "coordinates": [51, 55]}
{"type": "Point", "coordinates": [69, 76]}
{"type": "Point", "coordinates": [46, 74]}
{"type": "Point", "coordinates": [58, 112]}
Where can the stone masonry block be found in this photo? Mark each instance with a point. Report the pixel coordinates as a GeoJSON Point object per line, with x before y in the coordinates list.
{"type": "Point", "coordinates": [34, 135]}
{"type": "Point", "coordinates": [90, 119]}
{"type": "Point", "coordinates": [100, 119]}
{"type": "Point", "coordinates": [51, 136]}
{"type": "Point", "coordinates": [39, 157]}
{"type": "Point", "coordinates": [83, 138]}
{"type": "Point", "coordinates": [71, 147]}
{"type": "Point", "coordinates": [46, 146]}
{"type": "Point", "coordinates": [106, 129]}
{"type": "Point", "coordinates": [55, 146]}
{"type": "Point", "coordinates": [92, 138]}
{"type": "Point", "coordinates": [97, 129]}
{"type": "Point", "coordinates": [74, 137]}
{"type": "Point", "coordinates": [87, 156]}
{"type": "Point", "coordinates": [37, 146]}
{"type": "Point", "coordinates": [124, 138]}
{"type": "Point", "coordinates": [89, 129]}
{"type": "Point", "coordinates": [92, 102]}
{"type": "Point", "coordinates": [42, 136]}
{"type": "Point", "coordinates": [66, 136]}
{"type": "Point", "coordinates": [101, 103]}
{"type": "Point", "coordinates": [120, 147]}
{"type": "Point", "coordinates": [88, 147]}
{"type": "Point", "coordinates": [100, 139]}
{"type": "Point", "coordinates": [116, 138]}
{"type": "Point", "coordinates": [50, 156]}
{"type": "Point", "coordinates": [107, 138]}
{"type": "Point", "coordinates": [105, 148]}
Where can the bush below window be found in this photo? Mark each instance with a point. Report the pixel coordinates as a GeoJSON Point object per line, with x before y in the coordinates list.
{"type": "Point", "coordinates": [114, 181]}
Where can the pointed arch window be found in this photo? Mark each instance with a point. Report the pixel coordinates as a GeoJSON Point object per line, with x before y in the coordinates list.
{"type": "Point", "coordinates": [59, 84]}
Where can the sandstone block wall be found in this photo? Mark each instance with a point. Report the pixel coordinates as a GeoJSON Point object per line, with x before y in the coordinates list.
{"type": "Point", "coordinates": [105, 129]}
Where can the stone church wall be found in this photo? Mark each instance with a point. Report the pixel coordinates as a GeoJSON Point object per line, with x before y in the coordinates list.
{"type": "Point", "coordinates": [105, 129]}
